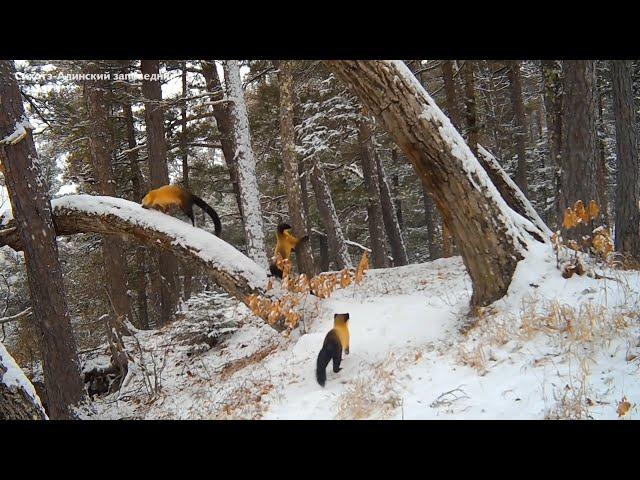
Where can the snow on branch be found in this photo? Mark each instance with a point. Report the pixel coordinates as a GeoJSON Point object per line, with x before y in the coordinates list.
{"type": "Point", "coordinates": [18, 398]}
{"type": "Point", "coordinates": [234, 272]}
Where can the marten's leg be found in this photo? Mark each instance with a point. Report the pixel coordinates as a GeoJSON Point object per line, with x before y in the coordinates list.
{"type": "Point", "coordinates": [188, 211]}
{"type": "Point", "coordinates": [337, 358]}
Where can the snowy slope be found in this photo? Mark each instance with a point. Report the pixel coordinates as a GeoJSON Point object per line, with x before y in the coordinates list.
{"type": "Point", "coordinates": [552, 348]}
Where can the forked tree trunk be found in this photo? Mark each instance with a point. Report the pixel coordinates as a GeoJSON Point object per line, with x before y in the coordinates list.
{"type": "Point", "coordinates": [390, 217]}
{"type": "Point", "coordinates": [32, 213]}
{"type": "Point", "coordinates": [246, 165]}
{"type": "Point", "coordinates": [329, 218]}
{"type": "Point", "coordinates": [304, 254]}
{"type": "Point", "coordinates": [374, 210]}
{"type": "Point", "coordinates": [100, 145]}
{"type": "Point", "coordinates": [166, 283]}
{"type": "Point", "coordinates": [223, 121]}
{"type": "Point", "coordinates": [492, 238]}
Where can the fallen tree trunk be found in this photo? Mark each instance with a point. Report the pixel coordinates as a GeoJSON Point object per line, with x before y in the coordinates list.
{"type": "Point", "coordinates": [18, 398]}
{"type": "Point", "coordinates": [492, 237]}
{"type": "Point", "coordinates": [232, 271]}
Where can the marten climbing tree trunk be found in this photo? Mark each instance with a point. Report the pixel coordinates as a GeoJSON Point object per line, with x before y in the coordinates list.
{"type": "Point", "coordinates": [492, 237]}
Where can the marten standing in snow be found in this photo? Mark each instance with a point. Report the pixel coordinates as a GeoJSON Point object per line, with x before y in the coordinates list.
{"type": "Point", "coordinates": [286, 242]}
{"type": "Point", "coordinates": [168, 196]}
{"type": "Point", "coordinates": [334, 342]}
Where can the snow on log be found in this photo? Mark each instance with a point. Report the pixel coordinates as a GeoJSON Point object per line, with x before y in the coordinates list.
{"type": "Point", "coordinates": [18, 398]}
{"type": "Point", "coordinates": [234, 272]}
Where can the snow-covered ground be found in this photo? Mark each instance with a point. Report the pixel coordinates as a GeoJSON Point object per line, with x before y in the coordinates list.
{"type": "Point", "coordinates": [552, 348]}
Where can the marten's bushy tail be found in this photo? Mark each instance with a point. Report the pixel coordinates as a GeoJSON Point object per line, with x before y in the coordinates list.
{"type": "Point", "coordinates": [324, 357]}
{"type": "Point", "coordinates": [212, 213]}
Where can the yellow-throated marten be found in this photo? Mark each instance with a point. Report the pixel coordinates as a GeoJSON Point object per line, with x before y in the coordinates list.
{"type": "Point", "coordinates": [168, 196]}
{"type": "Point", "coordinates": [286, 242]}
{"type": "Point", "coordinates": [335, 341]}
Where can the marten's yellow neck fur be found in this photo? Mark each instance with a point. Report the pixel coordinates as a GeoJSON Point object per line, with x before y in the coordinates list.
{"type": "Point", "coordinates": [341, 327]}
{"type": "Point", "coordinates": [286, 241]}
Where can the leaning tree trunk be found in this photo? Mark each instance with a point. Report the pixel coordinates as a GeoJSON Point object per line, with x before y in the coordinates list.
{"type": "Point", "coordinates": [390, 217]}
{"type": "Point", "coordinates": [517, 104]}
{"type": "Point", "coordinates": [374, 210]}
{"type": "Point", "coordinates": [221, 112]}
{"type": "Point", "coordinates": [18, 398]}
{"type": "Point", "coordinates": [137, 192]}
{"type": "Point", "coordinates": [32, 212]}
{"type": "Point", "coordinates": [165, 283]}
{"type": "Point", "coordinates": [246, 165]}
{"type": "Point", "coordinates": [329, 217]}
{"type": "Point", "coordinates": [578, 177]}
{"type": "Point", "coordinates": [100, 145]}
{"type": "Point", "coordinates": [304, 254]}
{"type": "Point", "coordinates": [492, 238]}
{"type": "Point", "coordinates": [627, 238]}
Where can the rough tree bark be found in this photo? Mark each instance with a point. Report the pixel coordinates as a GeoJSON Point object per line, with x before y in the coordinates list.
{"type": "Point", "coordinates": [390, 216]}
{"type": "Point", "coordinates": [304, 253]}
{"type": "Point", "coordinates": [552, 95]}
{"type": "Point", "coordinates": [578, 177]}
{"type": "Point", "coordinates": [32, 212]}
{"type": "Point", "coordinates": [18, 398]}
{"type": "Point", "coordinates": [627, 237]}
{"type": "Point", "coordinates": [138, 187]}
{"type": "Point", "coordinates": [492, 238]}
{"type": "Point", "coordinates": [100, 145]}
{"type": "Point", "coordinates": [165, 284]}
{"type": "Point", "coordinates": [374, 210]}
{"type": "Point", "coordinates": [517, 104]}
{"type": "Point", "coordinates": [246, 165]}
{"type": "Point", "coordinates": [329, 217]}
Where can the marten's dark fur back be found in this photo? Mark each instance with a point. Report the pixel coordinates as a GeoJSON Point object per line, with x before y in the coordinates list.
{"type": "Point", "coordinates": [331, 349]}
{"type": "Point", "coordinates": [212, 213]}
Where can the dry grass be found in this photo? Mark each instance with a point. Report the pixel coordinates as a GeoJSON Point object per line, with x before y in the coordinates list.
{"type": "Point", "coordinates": [371, 397]}
{"type": "Point", "coordinates": [572, 400]}
{"type": "Point", "coordinates": [473, 357]}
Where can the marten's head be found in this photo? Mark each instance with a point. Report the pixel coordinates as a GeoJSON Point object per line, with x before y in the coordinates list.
{"type": "Point", "coordinates": [148, 199]}
{"type": "Point", "coordinates": [340, 318]}
{"type": "Point", "coordinates": [282, 227]}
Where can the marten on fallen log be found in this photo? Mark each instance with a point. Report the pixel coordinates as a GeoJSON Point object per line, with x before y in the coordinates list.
{"type": "Point", "coordinates": [169, 196]}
